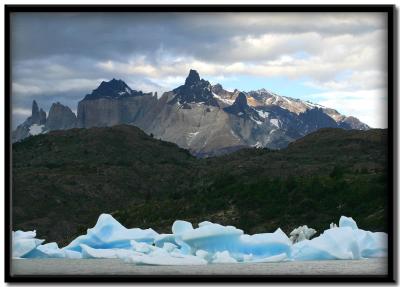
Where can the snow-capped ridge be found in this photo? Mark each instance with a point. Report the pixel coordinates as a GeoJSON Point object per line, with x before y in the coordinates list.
{"type": "Point", "coordinates": [259, 116]}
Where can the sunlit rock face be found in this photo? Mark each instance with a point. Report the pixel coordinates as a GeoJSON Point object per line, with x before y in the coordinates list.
{"type": "Point", "coordinates": [113, 103]}
{"type": "Point", "coordinates": [205, 119]}
{"type": "Point", "coordinates": [209, 243]}
{"type": "Point", "coordinates": [208, 120]}
{"type": "Point", "coordinates": [195, 90]}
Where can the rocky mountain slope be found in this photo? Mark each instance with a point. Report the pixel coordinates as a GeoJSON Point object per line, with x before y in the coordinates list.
{"type": "Point", "coordinates": [33, 125]}
{"type": "Point", "coordinates": [60, 118]}
{"type": "Point", "coordinates": [205, 119]}
{"type": "Point", "coordinates": [63, 180]}
{"type": "Point", "coordinates": [113, 103]}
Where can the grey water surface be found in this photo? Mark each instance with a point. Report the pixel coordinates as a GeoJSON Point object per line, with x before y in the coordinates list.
{"type": "Point", "coordinates": [118, 267]}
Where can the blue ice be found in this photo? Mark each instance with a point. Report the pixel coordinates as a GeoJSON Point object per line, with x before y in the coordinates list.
{"type": "Point", "coordinates": [209, 243]}
{"type": "Point", "coordinates": [109, 233]}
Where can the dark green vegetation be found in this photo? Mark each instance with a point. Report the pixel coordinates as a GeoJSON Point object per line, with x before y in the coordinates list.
{"type": "Point", "coordinates": [62, 182]}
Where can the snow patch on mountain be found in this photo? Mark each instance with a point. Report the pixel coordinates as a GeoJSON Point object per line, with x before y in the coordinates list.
{"type": "Point", "coordinates": [226, 101]}
{"type": "Point", "coordinates": [262, 114]}
{"type": "Point", "coordinates": [36, 129]}
{"type": "Point", "coordinates": [275, 122]}
{"type": "Point", "coordinates": [191, 136]}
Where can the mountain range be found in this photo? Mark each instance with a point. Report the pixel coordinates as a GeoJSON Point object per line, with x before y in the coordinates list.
{"type": "Point", "coordinates": [203, 118]}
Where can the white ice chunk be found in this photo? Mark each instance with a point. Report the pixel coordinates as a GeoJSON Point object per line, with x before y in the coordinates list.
{"type": "Point", "coordinates": [212, 238]}
{"type": "Point", "coordinates": [247, 257]}
{"type": "Point", "coordinates": [347, 221]}
{"type": "Point", "coordinates": [72, 254]}
{"type": "Point", "coordinates": [203, 223]}
{"type": "Point", "coordinates": [23, 246]}
{"type": "Point", "coordinates": [181, 226]}
{"type": "Point", "coordinates": [48, 250]}
{"type": "Point", "coordinates": [372, 244]}
{"type": "Point", "coordinates": [19, 234]}
{"type": "Point", "coordinates": [142, 247]}
{"type": "Point", "coordinates": [169, 247]}
{"type": "Point", "coordinates": [209, 243]}
{"type": "Point", "coordinates": [160, 239]}
{"type": "Point", "coordinates": [223, 257]}
{"type": "Point", "coordinates": [204, 255]}
{"type": "Point", "coordinates": [89, 252]}
{"type": "Point", "coordinates": [162, 257]}
{"type": "Point", "coordinates": [301, 233]}
{"type": "Point", "coordinates": [265, 244]}
{"type": "Point", "coordinates": [337, 243]}
{"type": "Point", "coordinates": [109, 233]}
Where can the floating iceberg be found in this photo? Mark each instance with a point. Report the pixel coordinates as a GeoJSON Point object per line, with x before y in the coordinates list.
{"type": "Point", "coordinates": [161, 256]}
{"type": "Point", "coordinates": [99, 253]}
{"type": "Point", "coordinates": [24, 242]}
{"type": "Point", "coordinates": [223, 257]}
{"type": "Point", "coordinates": [337, 243]}
{"type": "Point", "coordinates": [347, 221]}
{"type": "Point", "coordinates": [343, 242]}
{"type": "Point", "coordinates": [209, 243]}
{"type": "Point", "coordinates": [109, 233]}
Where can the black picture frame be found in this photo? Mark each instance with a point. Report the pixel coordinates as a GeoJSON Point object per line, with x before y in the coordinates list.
{"type": "Point", "coordinates": [392, 151]}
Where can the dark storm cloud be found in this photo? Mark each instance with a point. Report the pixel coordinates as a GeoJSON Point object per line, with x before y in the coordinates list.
{"type": "Point", "coordinates": [204, 36]}
{"type": "Point", "coordinates": [63, 56]}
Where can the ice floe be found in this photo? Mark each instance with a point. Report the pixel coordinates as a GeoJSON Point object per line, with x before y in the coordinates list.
{"type": "Point", "coordinates": [24, 242]}
{"type": "Point", "coordinates": [301, 233]}
{"type": "Point", "coordinates": [209, 243]}
{"type": "Point", "coordinates": [109, 233]}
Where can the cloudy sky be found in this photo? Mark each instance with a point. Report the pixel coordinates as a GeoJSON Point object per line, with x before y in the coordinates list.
{"type": "Point", "coordinates": [338, 60]}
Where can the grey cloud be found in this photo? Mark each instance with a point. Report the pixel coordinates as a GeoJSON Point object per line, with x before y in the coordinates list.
{"type": "Point", "coordinates": [52, 50]}
{"type": "Point", "coordinates": [116, 35]}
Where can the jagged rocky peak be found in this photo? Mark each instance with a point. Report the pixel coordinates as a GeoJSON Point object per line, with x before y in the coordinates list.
{"type": "Point", "coordinates": [113, 89]}
{"type": "Point", "coordinates": [38, 116]}
{"type": "Point", "coordinates": [240, 106]}
{"type": "Point", "coordinates": [193, 78]}
{"type": "Point", "coordinates": [217, 89]}
{"type": "Point", "coordinates": [35, 108]}
{"type": "Point", "coordinates": [60, 118]}
{"type": "Point", "coordinates": [195, 90]}
{"type": "Point", "coordinates": [33, 125]}
{"type": "Point", "coordinates": [241, 100]}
